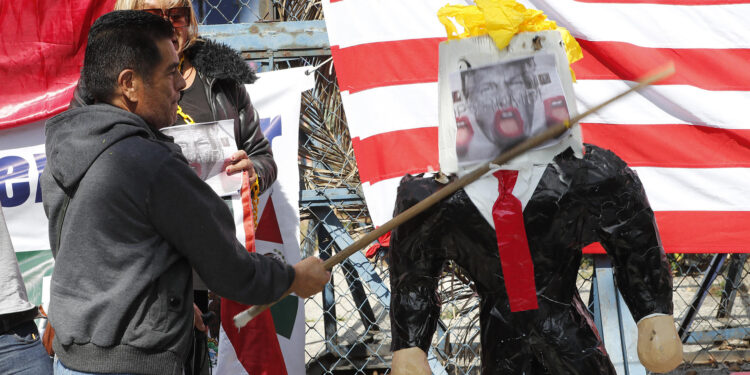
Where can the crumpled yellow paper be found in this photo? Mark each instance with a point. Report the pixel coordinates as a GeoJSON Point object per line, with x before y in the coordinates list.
{"type": "Point", "coordinates": [502, 19]}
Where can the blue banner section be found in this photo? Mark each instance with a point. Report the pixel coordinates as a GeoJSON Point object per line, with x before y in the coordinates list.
{"type": "Point", "coordinates": [271, 128]}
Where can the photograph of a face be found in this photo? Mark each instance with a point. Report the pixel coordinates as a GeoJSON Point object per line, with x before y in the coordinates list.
{"type": "Point", "coordinates": [207, 147]}
{"type": "Point", "coordinates": [499, 105]}
{"type": "Point", "coordinates": [203, 146]}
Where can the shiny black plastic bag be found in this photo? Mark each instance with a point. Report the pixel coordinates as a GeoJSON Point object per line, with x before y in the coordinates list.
{"type": "Point", "coordinates": [577, 202]}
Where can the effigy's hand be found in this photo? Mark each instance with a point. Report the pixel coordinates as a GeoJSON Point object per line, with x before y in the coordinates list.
{"type": "Point", "coordinates": [659, 347]}
{"type": "Point", "coordinates": [410, 361]}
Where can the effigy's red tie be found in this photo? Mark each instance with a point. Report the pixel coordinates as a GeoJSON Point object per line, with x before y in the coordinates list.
{"type": "Point", "coordinates": [512, 245]}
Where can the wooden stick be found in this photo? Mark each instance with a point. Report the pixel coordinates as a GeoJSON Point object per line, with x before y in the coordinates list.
{"type": "Point", "coordinates": [552, 132]}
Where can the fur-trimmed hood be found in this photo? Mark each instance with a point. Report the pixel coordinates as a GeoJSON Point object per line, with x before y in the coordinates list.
{"type": "Point", "coordinates": [217, 60]}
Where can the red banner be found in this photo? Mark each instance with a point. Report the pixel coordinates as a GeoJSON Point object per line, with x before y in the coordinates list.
{"type": "Point", "coordinates": [41, 55]}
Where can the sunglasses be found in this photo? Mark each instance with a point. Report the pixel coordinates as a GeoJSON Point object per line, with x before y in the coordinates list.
{"type": "Point", "coordinates": [179, 17]}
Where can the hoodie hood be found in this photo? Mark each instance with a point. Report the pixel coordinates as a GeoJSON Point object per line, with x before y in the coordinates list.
{"type": "Point", "coordinates": [76, 137]}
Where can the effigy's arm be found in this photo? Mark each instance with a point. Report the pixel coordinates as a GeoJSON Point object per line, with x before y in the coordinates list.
{"type": "Point", "coordinates": [416, 259]}
{"type": "Point", "coordinates": [627, 230]}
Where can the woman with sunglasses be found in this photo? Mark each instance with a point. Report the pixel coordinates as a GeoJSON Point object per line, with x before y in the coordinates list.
{"type": "Point", "coordinates": [215, 76]}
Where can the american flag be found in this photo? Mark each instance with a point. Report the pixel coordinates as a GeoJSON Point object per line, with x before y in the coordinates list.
{"type": "Point", "coordinates": [687, 137]}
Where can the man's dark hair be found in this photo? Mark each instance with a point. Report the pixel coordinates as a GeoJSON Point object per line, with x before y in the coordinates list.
{"type": "Point", "coordinates": [119, 40]}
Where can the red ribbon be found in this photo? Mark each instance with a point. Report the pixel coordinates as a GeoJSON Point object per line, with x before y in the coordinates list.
{"type": "Point", "coordinates": [512, 245]}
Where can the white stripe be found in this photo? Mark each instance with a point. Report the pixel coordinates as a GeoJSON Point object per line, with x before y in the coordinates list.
{"type": "Point", "coordinates": [390, 108]}
{"type": "Point", "coordinates": [696, 189]}
{"type": "Point", "coordinates": [646, 25]}
{"type": "Point", "coordinates": [381, 198]}
{"type": "Point", "coordinates": [710, 189]}
{"type": "Point", "coordinates": [383, 20]}
{"type": "Point", "coordinates": [652, 25]}
{"type": "Point", "coordinates": [665, 104]}
{"type": "Point", "coordinates": [413, 106]}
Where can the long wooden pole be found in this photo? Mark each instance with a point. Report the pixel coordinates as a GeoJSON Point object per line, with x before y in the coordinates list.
{"type": "Point", "coordinates": [552, 132]}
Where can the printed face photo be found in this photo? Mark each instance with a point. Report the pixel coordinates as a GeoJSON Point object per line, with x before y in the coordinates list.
{"type": "Point", "coordinates": [203, 148]}
{"type": "Point", "coordinates": [208, 148]}
{"type": "Point", "coordinates": [499, 105]}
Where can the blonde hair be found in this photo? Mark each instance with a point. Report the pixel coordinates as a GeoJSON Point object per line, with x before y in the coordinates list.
{"type": "Point", "coordinates": [192, 34]}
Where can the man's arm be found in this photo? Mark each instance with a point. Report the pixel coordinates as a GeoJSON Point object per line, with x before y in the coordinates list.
{"type": "Point", "coordinates": [198, 224]}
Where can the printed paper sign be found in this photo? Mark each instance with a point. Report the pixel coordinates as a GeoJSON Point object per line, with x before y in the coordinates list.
{"type": "Point", "coordinates": [499, 105]}
{"type": "Point", "coordinates": [208, 147]}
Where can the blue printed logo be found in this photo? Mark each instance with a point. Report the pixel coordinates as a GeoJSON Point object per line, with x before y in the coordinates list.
{"type": "Point", "coordinates": [271, 128]}
{"type": "Point", "coordinates": [15, 186]}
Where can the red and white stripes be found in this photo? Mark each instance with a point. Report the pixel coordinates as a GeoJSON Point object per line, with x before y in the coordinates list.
{"type": "Point", "coordinates": [688, 138]}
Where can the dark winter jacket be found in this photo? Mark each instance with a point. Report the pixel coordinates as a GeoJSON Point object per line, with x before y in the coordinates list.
{"type": "Point", "coordinates": [224, 74]}
{"type": "Point", "coordinates": [138, 221]}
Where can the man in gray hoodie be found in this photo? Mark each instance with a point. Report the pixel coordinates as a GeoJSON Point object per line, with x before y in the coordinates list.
{"type": "Point", "coordinates": [129, 219]}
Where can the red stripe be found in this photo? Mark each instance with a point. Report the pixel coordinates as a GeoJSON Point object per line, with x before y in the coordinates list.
{"type": "Point", "coordinates": [248, 222]}
{"type": "Point", "coordinates": [256, 345]}
{"type": "Point", "coordinates": [669, 2]}
{"type": "Point", "coordinates": [700, 232]}
{"type": "Point", "coordinates": [393, 154]}
{"type": "Point", "coordinates": [391, 63]}
{"type": "Point", "coordinates": [401, 62]}
{"type": "Point", "coordinates": [396, 153]}
{"type": "Point", "coordinates": [710, 69]}
{"type": "Point", "coordinates": [680, 146]}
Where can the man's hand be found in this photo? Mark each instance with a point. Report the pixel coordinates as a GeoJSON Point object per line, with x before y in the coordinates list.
{"type": "Point", "coordinates": [197, 320]}
{"type": "Point", "coordinates": [241, 162]}
{"type": "Point", "coordinates": [310, 277]}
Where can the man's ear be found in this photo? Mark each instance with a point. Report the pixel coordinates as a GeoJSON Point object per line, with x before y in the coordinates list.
{"type": "Point", "coordinates": [128, 83]}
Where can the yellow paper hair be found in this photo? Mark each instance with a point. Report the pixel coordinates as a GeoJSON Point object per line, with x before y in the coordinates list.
{"type": "Point", "coordinates": [502, 19]}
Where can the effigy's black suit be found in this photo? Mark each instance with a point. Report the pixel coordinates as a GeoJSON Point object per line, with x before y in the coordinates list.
{"type": "Point", "coordinates": [577, 202]}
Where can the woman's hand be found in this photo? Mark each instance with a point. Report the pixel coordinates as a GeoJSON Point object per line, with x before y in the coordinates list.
{"type": "Point", "coordinates": [240, 162]}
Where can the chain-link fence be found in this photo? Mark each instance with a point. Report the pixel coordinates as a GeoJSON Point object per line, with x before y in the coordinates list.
{"type": "Point", "coordinates": [348, 327]}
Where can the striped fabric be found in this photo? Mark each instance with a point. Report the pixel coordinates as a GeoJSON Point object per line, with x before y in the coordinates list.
{"type": "Point", "coordinates": [688, 137]}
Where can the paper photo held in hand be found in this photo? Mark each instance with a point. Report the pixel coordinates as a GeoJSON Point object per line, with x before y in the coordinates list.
{"type": "Point", "coordinates": [208, 147]}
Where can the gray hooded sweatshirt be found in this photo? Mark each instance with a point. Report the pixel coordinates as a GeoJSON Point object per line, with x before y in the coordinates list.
{"type": "Point", "coordinates": [138, 220]}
